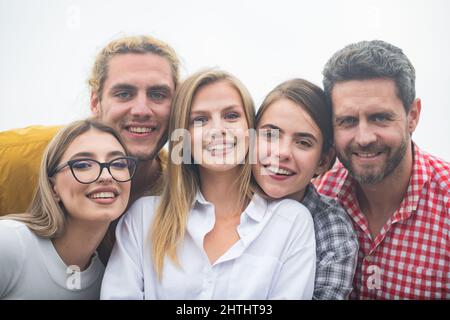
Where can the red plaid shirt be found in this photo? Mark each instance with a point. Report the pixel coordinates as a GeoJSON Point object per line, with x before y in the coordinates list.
{"type": "Point", "coordinates": [410, 258]}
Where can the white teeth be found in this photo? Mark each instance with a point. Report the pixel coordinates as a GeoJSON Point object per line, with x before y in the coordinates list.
{"type": "Point", "coordinates": [102, 195]}
{"type": "Point", "coordinates": [366, 155]}
{"type": "Point", "coordinates": [219, 147]}
{"type": "Point", "coordinates": [281, 171]}
{"type": "Point", "coordinates": [140, 129]}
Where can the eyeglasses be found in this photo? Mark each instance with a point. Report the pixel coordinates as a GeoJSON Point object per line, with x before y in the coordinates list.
{"type": "Point", "coordinates": [88, 170]}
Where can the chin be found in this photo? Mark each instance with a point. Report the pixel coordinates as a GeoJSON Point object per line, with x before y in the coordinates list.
{"type": "Point", "coordinates": [107, 216]}
{"type": "Point", "coordinates": [144, 155]}
{"type": "Point", "coordinates": [275, 193]}
{"type": "Point", "coordinates": [218, 167]}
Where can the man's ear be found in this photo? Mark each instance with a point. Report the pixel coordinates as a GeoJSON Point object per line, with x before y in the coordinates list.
{"type": "Point", "coordinates": [326, 162]}
{"type": "Point", "coordinates": [414, 115]}
{"type": "Point", "coordinates": [95, 104]}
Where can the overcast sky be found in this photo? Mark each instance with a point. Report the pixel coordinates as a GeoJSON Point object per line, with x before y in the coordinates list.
{"type": "Point", "coordinates": [48, 48]}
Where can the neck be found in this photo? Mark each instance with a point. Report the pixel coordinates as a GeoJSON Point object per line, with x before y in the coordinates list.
{"type": "Point", "coordinates": [220, 189]}
{"type": "Point", "coordinates": [79, 242]}
{"type": "Point", "coordinates": [146, 173]}
{"type": "Point", "coordinates": [298, 195]}
{"type": "Point", "coordinates": [385, 197]}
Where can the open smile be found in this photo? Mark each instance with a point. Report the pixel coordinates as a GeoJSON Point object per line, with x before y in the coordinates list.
{"type": "Point", "coordinates": [103, 196]}
{"type": "Point", "coordinates": [140, 130]}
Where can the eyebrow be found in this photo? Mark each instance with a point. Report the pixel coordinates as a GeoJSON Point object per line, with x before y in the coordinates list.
{"type": "Point", "coordinates": [126, 86]}
{"type": "Point", "coordinates": [271, 126]}
{"type": "Point", "coordinates": [305, 135]}
{"type": "Point", "coordinates": [91, 154]}
{"type": "Point", "coordinates": [207, 111]}
{"type": "Point", "coordinates": [161, 87]}
{"type": "Point", "coordinates": [122, 86]}
{"type": "Point", "coordinates": [297, 134]}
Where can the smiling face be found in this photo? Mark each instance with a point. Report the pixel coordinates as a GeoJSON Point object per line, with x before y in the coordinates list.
{"type": "Point", "coordinates": [218, 127]}
{"type": "Point", "coordinates": [289, 150]}
{"type": "Point", "coordinates": [103, 200]}
{"type": "Point", "coordinates": [372, 130]}
{"type": "Point", "coordinates": [136, 99]}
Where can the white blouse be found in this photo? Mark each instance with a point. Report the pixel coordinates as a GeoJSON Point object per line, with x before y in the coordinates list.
{"type": "Point", "coordinates": [30, 268]}
{"type": "Point", "coordinates": [273, 259]}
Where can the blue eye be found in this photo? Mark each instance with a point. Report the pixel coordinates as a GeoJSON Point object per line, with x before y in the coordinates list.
{"type": "Point", "coordinates": [199, 121]}
{"type": "Point", "coordinates": [119, 164]}
{"type": "Point", "coordinates": [380, 118]}
{"type": "Point", "coordinates": [80, 165]}
{"type": "Point", "coordinates": [123, 95]}
{"type": "Point", "coordinates": [232, 115]}
{"type": "Point", "coordinates": [347, 121]}
{"type": "Point", "coordinates": [157, 95]}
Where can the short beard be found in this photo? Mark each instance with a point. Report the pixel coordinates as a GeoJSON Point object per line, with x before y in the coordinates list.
{"type": "Point", "coordinates": [146, 157]}
{"type": "Point", "coordinates": [150, 157]}
{"type": "Point", "coordinates": [371, 178]}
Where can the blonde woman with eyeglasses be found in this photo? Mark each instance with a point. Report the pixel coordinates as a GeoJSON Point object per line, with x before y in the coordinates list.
{"type": "Point", "coordinates": [210, 236]}
{"type": "Point", "coordinates": [50, 252]}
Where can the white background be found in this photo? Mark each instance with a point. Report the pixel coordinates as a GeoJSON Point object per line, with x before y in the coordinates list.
{"type": "Point", "coordinates": [48, 47]}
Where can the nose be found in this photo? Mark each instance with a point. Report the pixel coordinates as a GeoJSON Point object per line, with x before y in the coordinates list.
{"type": "Point", "coordinates": [105, 176]}
{"type": "Point", "coordinates": [284, 149]}
{"type": "Point", "coordinates": [217, 128]}
{"type": "Point", "coordinates": [365, 134]}
{"type": "Point", "coordinates": [141, 107]}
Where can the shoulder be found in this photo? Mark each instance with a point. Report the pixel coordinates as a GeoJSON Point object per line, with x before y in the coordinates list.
{"type": "Point", "coordinates": [14, 239]}
{"type": "Point", "coordinates": [141, 213]}
{"type": "Point", "coordinates": [13, 230]}
{"type": "Point", "coordinates": [329, 182]}
{"type": "Point", "coordinates": [291, 211]}
{"type": "Point", "coordinates": [327, 211]}
{"type": "Point", "coordinates": [440, 171]}
{"type": "Point", "coordinates": [291, 224]}
{"type": "Point", "coordinates": [437, 172]}
{"type": "Point", "coordinates": [143, 204]}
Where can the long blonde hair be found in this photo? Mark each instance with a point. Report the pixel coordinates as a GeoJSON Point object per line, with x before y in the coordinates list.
{"type": "Point", "coordinates": [183, 182]}
{"type": "Point", "coordinates": [46, 216]}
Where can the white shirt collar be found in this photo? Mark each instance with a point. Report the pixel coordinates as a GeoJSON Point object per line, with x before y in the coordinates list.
{"type": "Point", "coordinates": [256, 209]}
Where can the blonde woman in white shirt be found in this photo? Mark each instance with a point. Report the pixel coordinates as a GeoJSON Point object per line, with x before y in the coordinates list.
{"type": "Point", "coordinates": [210, 236]}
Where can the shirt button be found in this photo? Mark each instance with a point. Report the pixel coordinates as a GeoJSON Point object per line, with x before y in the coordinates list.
{"type": "Point", "coordinates": [368, 258]}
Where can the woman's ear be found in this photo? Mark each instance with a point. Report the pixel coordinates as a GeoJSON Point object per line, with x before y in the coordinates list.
{"type": "Point", "coordinates": [326, 162]}
{"type": "Point", "coordinates": [54, 190]}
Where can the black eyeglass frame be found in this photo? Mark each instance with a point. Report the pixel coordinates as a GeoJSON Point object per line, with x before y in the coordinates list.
{"type": "Point", "coordinates": [102, 165]}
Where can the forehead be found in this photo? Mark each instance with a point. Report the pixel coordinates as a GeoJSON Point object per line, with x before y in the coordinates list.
{"type": "Point", "coordinates": [366, 95]}
{"type": "Point", "coordinates": [135, 69]}
{"type": "Point", "coordinates": [288, 116]}
{"type": "Point", "coordinates": [220, 94]}
{"type": "Point", "coordinates": [93, 141]}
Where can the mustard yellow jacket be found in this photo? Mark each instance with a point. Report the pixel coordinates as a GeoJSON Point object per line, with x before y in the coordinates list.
{"type": "Point", "coordinates": [21, 152]}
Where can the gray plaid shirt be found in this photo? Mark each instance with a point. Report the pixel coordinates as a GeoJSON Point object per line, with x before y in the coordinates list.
{"type": "Point", "coordinates": [336, 246]}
